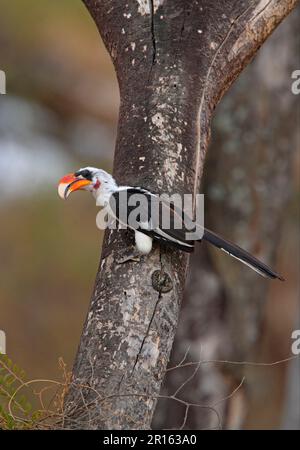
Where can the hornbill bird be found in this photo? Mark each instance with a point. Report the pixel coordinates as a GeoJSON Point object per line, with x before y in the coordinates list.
{"type": "Point", "coordinates": [109, 195]}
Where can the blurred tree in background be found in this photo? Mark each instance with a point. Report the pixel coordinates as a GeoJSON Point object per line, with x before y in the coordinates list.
{"type": "Point", "coordinates": [59, 113]}
{"type": "Point", "coordinates": [252, 196]}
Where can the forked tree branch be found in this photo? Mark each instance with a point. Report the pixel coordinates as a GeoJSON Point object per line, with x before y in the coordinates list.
{"type": "Point", "coordinates": [174, 60]}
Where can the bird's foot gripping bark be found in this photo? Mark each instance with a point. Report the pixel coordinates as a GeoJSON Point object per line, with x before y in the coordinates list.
{"type": "Point", "coordinates": [133, 255]}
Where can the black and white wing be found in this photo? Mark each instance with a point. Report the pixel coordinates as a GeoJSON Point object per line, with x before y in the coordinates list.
{"type": "Point", "coordinates": [134, 206]}
{"type": "Point", "coordinates": [150, 214]}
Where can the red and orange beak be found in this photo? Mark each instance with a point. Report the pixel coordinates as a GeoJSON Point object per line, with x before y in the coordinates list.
{"type": "Point", "coordinates": [69, 183]}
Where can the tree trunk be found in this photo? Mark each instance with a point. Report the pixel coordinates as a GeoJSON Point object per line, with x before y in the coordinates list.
{"type": "Point", "coordinates": [174, 60]}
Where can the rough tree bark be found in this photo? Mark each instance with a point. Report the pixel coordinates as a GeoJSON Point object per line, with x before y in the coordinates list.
{"type": "Point", "coordinates": [174, 60]}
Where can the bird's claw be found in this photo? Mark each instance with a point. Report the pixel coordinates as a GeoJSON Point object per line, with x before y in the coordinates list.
{"type": "Point", "coordinates": [133, 256]}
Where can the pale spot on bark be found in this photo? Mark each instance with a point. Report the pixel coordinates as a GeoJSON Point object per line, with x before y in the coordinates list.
{"type": "Point", "coordinates": [171, 169]}
{"type": "Point", "coordinates": [158, 120]}
{"type": "Point", "coordinates": [144, 6]}
{"type": "Point", "coordinates": [150, 352]}
{"type": "Point", "coordinates": [134, 344]}
{"type": "Point", "coordinates": [129, 307]}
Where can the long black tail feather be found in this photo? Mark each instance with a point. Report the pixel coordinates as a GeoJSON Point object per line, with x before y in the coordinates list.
{"type": "Point", "coordinates": [240, 254]}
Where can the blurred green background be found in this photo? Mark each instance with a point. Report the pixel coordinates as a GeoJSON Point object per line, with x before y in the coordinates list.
{"type": "Point", "coordinates": [60, 113]}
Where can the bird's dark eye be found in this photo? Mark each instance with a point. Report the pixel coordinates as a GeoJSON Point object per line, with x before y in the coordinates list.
{"type": "Point", "coordinates": [85, 173]}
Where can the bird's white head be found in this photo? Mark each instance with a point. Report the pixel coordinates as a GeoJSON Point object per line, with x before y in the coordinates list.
{"type": "Point", "coordinates": [100, 183]}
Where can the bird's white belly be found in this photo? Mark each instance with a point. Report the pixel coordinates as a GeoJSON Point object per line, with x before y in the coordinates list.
{"type": "Point", "coordinates": [143, 242]}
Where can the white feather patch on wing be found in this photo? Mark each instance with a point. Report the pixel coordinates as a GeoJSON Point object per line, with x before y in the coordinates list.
{"type": "Point", "coordinates": [171, 238]}
{"type": "Point", "coordinates": [143, 242]}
